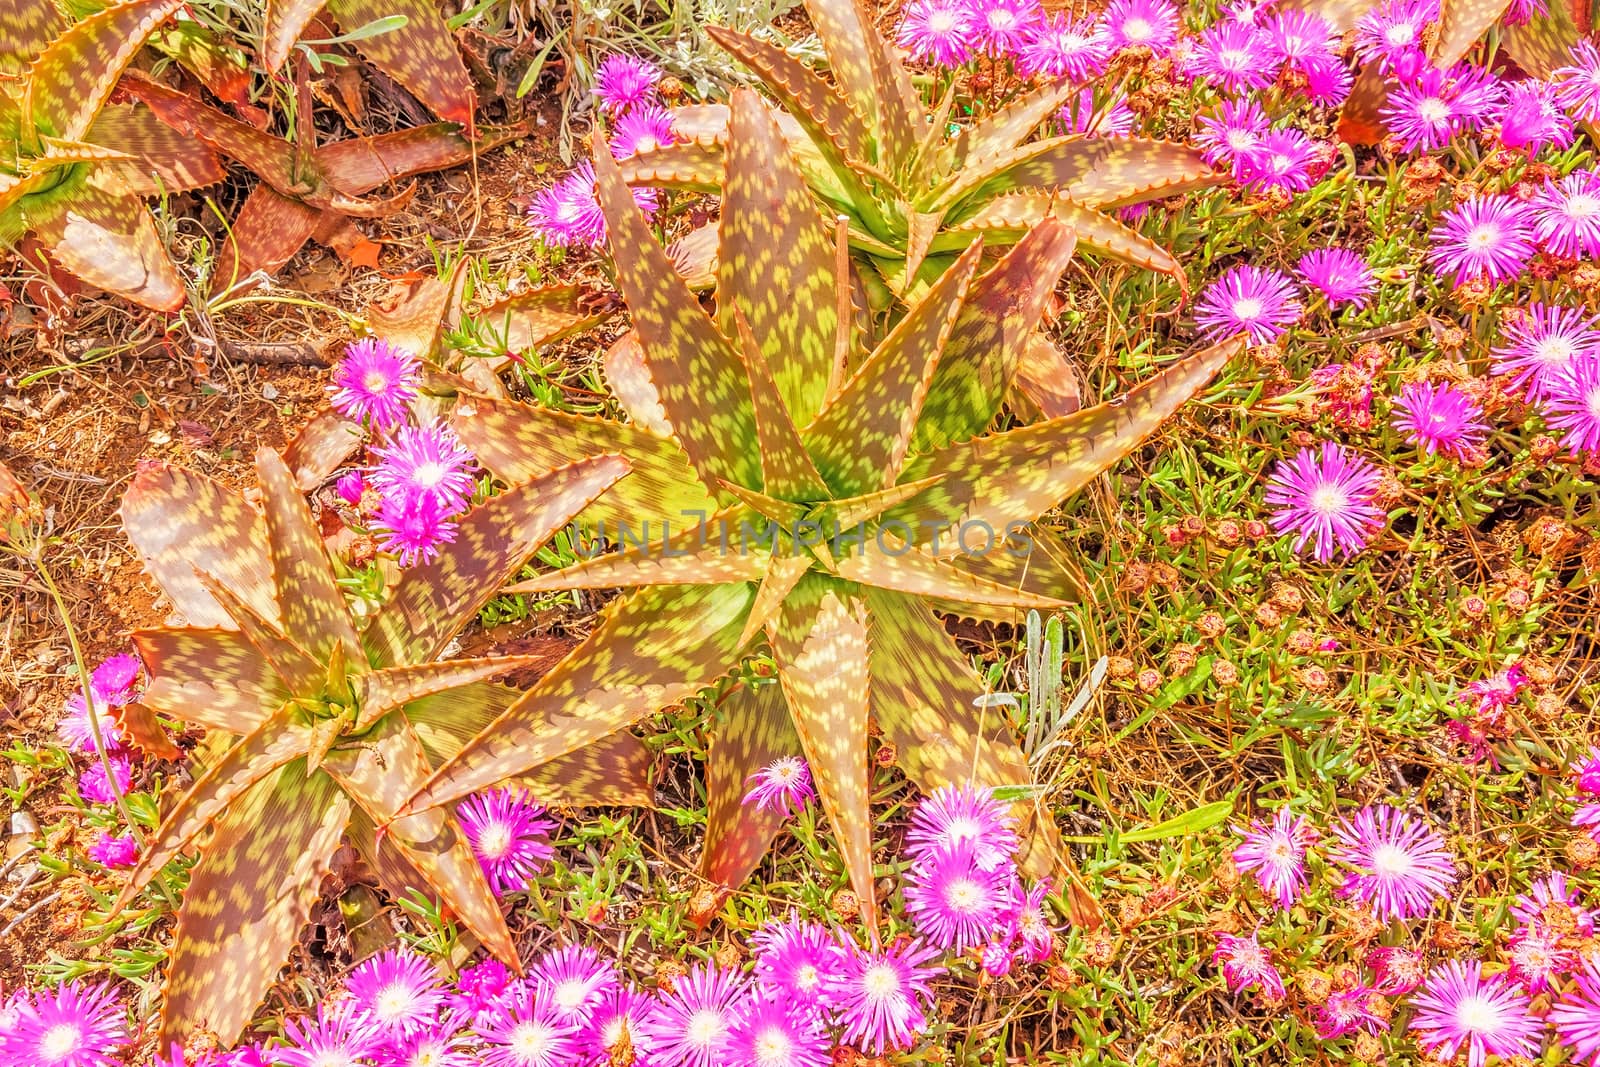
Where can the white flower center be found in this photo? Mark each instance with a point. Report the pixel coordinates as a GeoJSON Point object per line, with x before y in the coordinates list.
{"type": "Point", "coordinates": [806, 977]}
{"type": "Point", "coordinates": [880, 982]}
{"type": "Point", "coordinates": [60, 1041]}
{"type": "Point", "coordinates": [773, 1048]}
{"type": "Point", "coordinates": [1483, 237]}
{"type": "Point", "coordinates": [1434, 111]}
{"type": "Point", "coordinates": [1400, 34]}
{"type": "Point", "coordinates": [1137, 29]}
{"type": "Point", "coordinates": [706, 1028]}
{"type": "Point", "coordinates": [1248, 308]}
{"type": "Point", "coordinates": [1478, 1014]}
{"type": "Point", "coordinates": [375, 381]}
{"type": "Point", "coordinates": [1002, 19]}
{"type": "Point", "coordinates": [963, 894]}
{"type": "Point", "coordinates": [570, 995]}
{"type": "Point", "coordinates": [495, 840]}
{"type": "Point", "coordinates": [1582, 206]}
{"type": "Point", "coordinates": [393, 1001]}
{"type": "Point", "coordinates": [333, 1058]}
{"type": "Point", "coordinates": [1329, 500]}
{"type": "Point", "coordinates": [1234, 58]}
{"type": "Point", "coordinates": [1593, 402]}
{"type": "Point", "coordinates": [430, 474]}
{"type": "Point", "coordinates": [647, 143]}
{"type": "Point", "coordinates": [532, 1041]}
{"type": "Point", "coordinates": [964, 828]}
{"type": "Point", "coordinates": [1241, 140]}
{"type": "Point", "coordinates": [1392, 861]}
{"type": "Point", "coordinates": [1281, 852]}
{"type": "Point", "coordinates": [942, 22]}
{"type": "Point", "coordinates": [1554, 351]}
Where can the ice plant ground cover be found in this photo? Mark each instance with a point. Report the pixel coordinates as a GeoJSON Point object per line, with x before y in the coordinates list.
{"type": "Point", "coordinates": [1317, 735]}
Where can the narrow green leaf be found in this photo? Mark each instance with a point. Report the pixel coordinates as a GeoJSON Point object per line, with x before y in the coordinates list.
{"type": "Point", "coordinates": [1195, 821]}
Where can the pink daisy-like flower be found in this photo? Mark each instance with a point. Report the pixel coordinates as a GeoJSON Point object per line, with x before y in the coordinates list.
{"type": "Point", "coordinates": [782, 786]}
{"type": "Point", "coordinates": [337, 1036]}
{"type": "Point", "coordinates": [1079, 115]}
{"type": "Point", "coordinates": [1576, 1016]}
{"type": "Point", "coordinates": [952, 902]}
{"type": "Point", "coordinates": [1531, 118]}
{"type": "Point", "coordinates": [881, 997]}
{"type": "Point", "coordinates": [1396, 971]}
{"type": "Point", "coordinates": [1328, 82]}
{"type": "Point", "coordinates": [997, 959]}
{"type": "Point", "coordinates": [412, 528]}
{"type": "Point", "coordinates": [479, 987]}
{"type": "Point", "coordinates": [691, 1026]}
{"type": "Point", "coordinates": [798, 959]}
{"type": "Point", "coordinates": [623, 82]}
{"type": "Point", "coordinates": [621, 1014]}
{"type": "Point", "coordinates": [430, 1048]}
{"type": "Point", "coordinates": [1325, 498]}
{"type": "Point", "coordinates": [1282, 160]}
{"type": "Point", "coordinates": [1458, 1006]}
{"type": "Point", "coordinates": [1439, 419]}
{"type": "Point", "coordinates": [398, 991]}
{"type": "Point", "coordinates": [1341, 275]}
{"type": "Point", "coordinates": [1392, 34]}
{"type": "Point", "coordinates": [1001, 27]}
{"type": "Point", "coordinates": [1489, 237]}
{"type": "Point", "coordinates": [115, 680]}
{"type": "Point", "coordinates": [1566, 215]}
{"type": "Point", "coordinates": [953, 814]}
{"type": "Point", "coordinates": [526, 1030]}
{"type": "Point", "coordinates": [1347, 1011]}
{"type": "Point", "coordinates": [1553, 900]}
{"type": "Point", "coordinates": [375, 382]}
{"type": "Point", "coordinates": [427, 463]}
{"type": "Point", "coordinates": [1399, 867]}
{"type": "Point", "coordinates": [578, 979]}
{"type": "Point", "coordinates": [1537, 958]}
{"type": "Point", "coordinates": [1573, 407]}
{"type": "Point", "coordinates": [77, 732]}
{"type": "Point", "coordinates": [1498, 691]}
{"type": "Point", "coordinates": [1578, 85]}
{"type": "Point", "coordinates": [642, 129]}
{"type": "Point", "coordinates": [1301, 39]}
{"type": "Point", "coordinates": [351, 487]}
{"type": "Point", "coordinates": [1245, 962]}
{"type": "Point", "coordinates": [73, 1025]}
{"type": "Point", "coordinates": [568, 214]}
{"type": "Point", "coordinates": [1542, 343]}
{"type": "Point", "coordinates": [1586, 773]}
{"type": "Point", "coordinates": [1235, 56]}
{"type": "Point", "coordinates": [1151, 24]}
{"type": "Point", "coordinates": [1422, 114]}
{"type": "Point", "coordinates": [1026, 923]}
{"type": "Point", "coordinates": [1232, 136]}
{"type": "Point", "coordinates": [509, 834]}
{"type": "Point", "coordinates": [1253, 300]}
{"type": "Point", "coordinates": [1060, 47]}
{"type": "Point", "coordinates": [769, 1032]}
{"type": "Point", "coordinates": [116, 851]}
{"type": "Point", "coordinates": [1276, 855]}
{"type": "Point", "coordinates": [93, 785]}
{"type": "Point", "coordinates": [937, 31]}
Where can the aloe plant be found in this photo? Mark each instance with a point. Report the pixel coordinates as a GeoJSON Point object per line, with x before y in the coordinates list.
{"type": "Point", "coordinates": [330, 726]}
{"type": "Point", "coordinates": [780, 424]}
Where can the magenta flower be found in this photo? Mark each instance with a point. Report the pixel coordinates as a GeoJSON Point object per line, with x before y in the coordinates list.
{"type": "Point", "coordinates": [1487, 237]}
{"type": "Point", "coordinates": [426, 463]}
{"type": "Point", "coordinates": [96, 789]}
{"type": "Point", "coordinates": [568, 213]}
{"type": "Point", "coordinates": [338, 1035]}
{"type": "Point", "coordinates": [1392, 34]}
{"type": "Point", "coordinates": [1566, 215]}
{"type": "Point", "coordinates": [1026, 923]}
{"type": "Point", "coordinates": [1341, 275]}
{"type": "Point", "coordinates": [1257, 301]}
{"type": "Point", "coordinates": [1551, 900]}
{"type": "Point", "coordinates": [578, 981]}
{"type": "Point", "coordinates": [1586, 774]}
{"type": "Point", "coordinates": [351, 487]}
{"type": "Point", "coordinates": [937, 31]}
{"type": "Point", "coordinates": [526, 1030]}
{"type": "Point", "coordinates": [1520, 12]}
{"type": "Point", "coordinates": [1079, 115]}
{"type": "Point", "coordinates": [509, 834]}
{"type": "Point", "coordinates": [623, 82]}
{"type": "Point", "coordinates": [412, 529]}
{"type": "Point", "coordinates": [1346, 1012]}
{"type": "Point", "coordinates": [997, 959]}
{"type": "Point", "coordinates": [77, 732]}
{"type": "Point", "coordinates": [1542, 344]}
{"type": "Point", "coordinates": [430, 1048]}
{"type": "Point", "coordinates": [642, 129]}
{"type": "Point", "coordinates": [1281, 161]}
{"type": "Point", "coordinates": [1531, 118]}
{"type": "Point", "coordinates": [1439, 419]}
{"type": "Point", "coordinates": [1302, 39]}
{"type": "Point", "coordinates": [1498, 691]}
{"type": "Point", "coordinates": [621, 1013]}
{"type": "Point", "coordinates": [479, 987]}
{"type": "Point", "coordinates": [1458, 1006]}
{"type": "Point", "coordinates": [1001, 27]}
{"type": "Point", "coordinates": [1326, 499]}
{"type": "Point", "coordinates": [1233, 136]}
{"type": "Point", "coordinates": [1328, 83]}
{"type": "Point", "coordinates": [1059, 47]}
{"type": "Point", "coordinates": [1398, 866]}
{"type": "Point", "coordinates": [116, 851]}
{"type": "Point", "coordinates": [1235, 56]}
{"type": "Point", "coordinates": [798, 959]}
{"type": "Point", "coordinates": [374, 382]}
{"type": "Point", "coordinates": [1578, 85]}
{"type": "Point", "coordinates": [770, 1032]}
{"type": "Point", "coordinates": [1151, 24]}
{"type": "Point", "coordinates": [1576, 1016]}
{"type": "Point", "coordinates": [1573, 407]}
{"type": "Point", "coordinates": [1423, 114]}
{"type": "Point", "coordinates": [115, 680]}
{"type": "Point", "coordinates": [1537, 957]}
{"type": "Point", "coordinates": [881, 997]}
{"type": "Point", "coordinates": [782, 786]}
{"type": "Point", "coordinates": [73, 1025]}
{"type": "Point", "coordinates": [1276, 855]}
{"type": "Point", "coordinates": [398, 992]}
{"type": "Point", "coordinates": [1245, 962]}
{"type": "Point", "coordinates": [953, 814]}
{"type": "Point", "coordinates": [952, 902]}
{"type": "Point", "coordinates": [692, 1025]}
{"type": "Point", "coordinates": [1396, 971]}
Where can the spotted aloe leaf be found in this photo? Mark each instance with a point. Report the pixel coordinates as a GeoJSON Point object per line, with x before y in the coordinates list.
{"type": "Point", "coordinates": [752, 731]}
{"type": "Point", "coordinates": [396, 688]}
{"type": "Point", "coordinates": [421, 55]}
{"type": "Point", "coordinates": [103, 234]}
{"type": "Point", "coordinates": [26, 29]}
{"type": "Point", "coordinates": [73, 77]}
{"type": "Point", "coordinates": [863, 69]}
{"type": "Point", "coordinates": [211, 677]}
{"type": "Point", "coordinates": [1544, 43]}
{"type": "Point", "coordinates": [246, 901]}
{"type": "Point", "coordinates": [308, 597]}
{"type": "Point", "coordinates": [999, 132]}
{"type": "Point", "coordinates": [162, 161]}
{"type": "Point", "coordinates": [321, 447]}
{"type": "Point", "coordinates": [285, 21]}
{"type": "Point", "coordinates": [1461, 23]}
{"type": "Point", "coordinates": [885, 564]}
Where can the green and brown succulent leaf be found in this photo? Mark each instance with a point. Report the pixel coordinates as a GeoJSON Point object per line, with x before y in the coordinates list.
{"type": "Point", "coordinates": [790, 445]}
{"type": "Point", "coordinates": [320, 715]}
